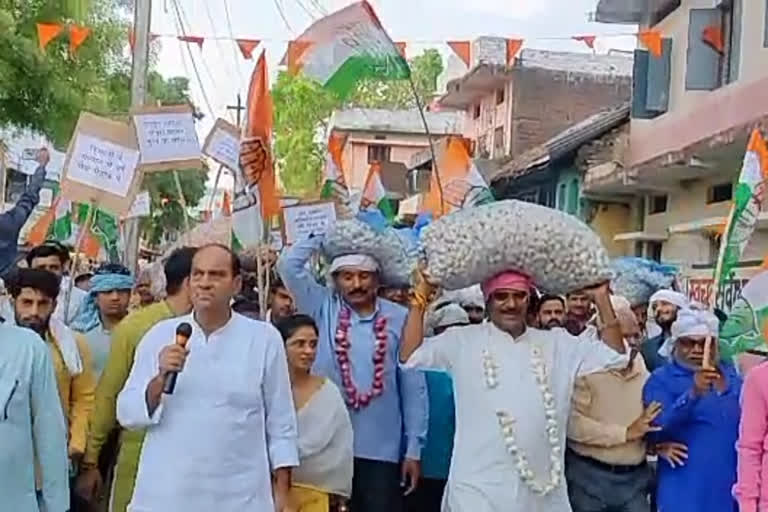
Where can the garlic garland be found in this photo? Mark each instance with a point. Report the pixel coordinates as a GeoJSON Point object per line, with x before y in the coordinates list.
{"type": "Point", "coordinates": [507, 422]}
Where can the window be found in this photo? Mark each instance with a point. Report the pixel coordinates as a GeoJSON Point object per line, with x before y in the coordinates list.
{"type": "Point", "coordinates": [654, 251]}
{"type": "Point", "coordinates": [703, 63]}
{"type": "Point", "coordinates": [499, 96]}
{"type": "Point", "coordinates": [476, 112]}
{"type": "Point", "coordinates": [573, 196]}
{"type": "Point", "coordinates": [378, 153]}
{"type": "Point", "coordinates": [498, 142]}
{"type": "Point", "coordinates": [720, 193]}
{"type": "Point", "coordinates": [650, 82]}
{"type": "Point", "coordinates": [657, 204]}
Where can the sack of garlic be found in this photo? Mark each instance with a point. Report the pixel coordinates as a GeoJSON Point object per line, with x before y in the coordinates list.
{"type": "Point", "coordinates": [395, 256]}
{"type": "Point", "coordinates": [557, 250]}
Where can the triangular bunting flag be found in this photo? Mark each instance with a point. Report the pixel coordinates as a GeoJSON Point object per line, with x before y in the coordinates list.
{"type": "Point", "coordinates": [587, 40]}
{"type": "Point", "coordinates": [46, 32]}
{"type": "Point", "coordinates": [193, 39]}
{"type": "Point", "coordinates": [401, 47]}
{"type": "Point", "coordinates": [293, 55]}
{"type": "Point", "coordinates": [652, 40]}
{"type": "Point", "coordinates": [513, 48]}
{"type": "Point", "coordinates": [77, 35]}
{"type": "Point", "coordinates": [713, 35]}
{"type": "Point", "coordinates": [247, 46]}
{"type": "Point", "coordinates": [462, 49]}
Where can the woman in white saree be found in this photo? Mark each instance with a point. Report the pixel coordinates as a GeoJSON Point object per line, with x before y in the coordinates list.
{"type": "Point", "coordinates": [323, 480]}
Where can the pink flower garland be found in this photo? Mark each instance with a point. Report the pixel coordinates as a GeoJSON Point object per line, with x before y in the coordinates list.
{"type": "Point", "coordinates": [356, 399]}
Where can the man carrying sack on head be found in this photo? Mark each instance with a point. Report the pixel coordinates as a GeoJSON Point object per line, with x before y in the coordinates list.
{"type": "Point", "coordinates": [512, 387]}
{"type": "Point", "coordinates": [358, 346]}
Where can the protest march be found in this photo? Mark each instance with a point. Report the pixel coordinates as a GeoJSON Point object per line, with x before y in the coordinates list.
{"type": "Point", "coordinates": [369, 289]}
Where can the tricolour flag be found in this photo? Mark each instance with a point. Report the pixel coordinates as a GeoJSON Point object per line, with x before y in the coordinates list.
{"type": "Point", "coordinates": [747, 205]}
{"type": "Point", "coordinates": [335, 186]}
{"type": "Point", "coordinates": [344, 47]}
{"type": "Point", "coordinates": [55, 224]}
{"type": "Point", "coordinates": [375, 195]}
{"type": "Point", "coordinates": [460, 183]}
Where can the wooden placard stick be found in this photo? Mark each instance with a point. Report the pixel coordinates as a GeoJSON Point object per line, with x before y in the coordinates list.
{"type": "Point", "coordinates": [707, 363]}
{"type": "Point", "coordinates": [86, 227]}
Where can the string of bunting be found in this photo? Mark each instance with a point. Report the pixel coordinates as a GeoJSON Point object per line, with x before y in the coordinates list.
{"type": "Point", "coordinates": [650, 38]}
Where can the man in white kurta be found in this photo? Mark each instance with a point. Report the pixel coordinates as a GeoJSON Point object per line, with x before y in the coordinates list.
{"type": "Point", "coordinates": [212, 444]}
{"type": "Point", "coordinates": [486, 473]}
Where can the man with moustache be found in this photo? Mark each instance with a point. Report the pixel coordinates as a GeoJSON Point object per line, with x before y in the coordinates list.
{"type": "Point", "coordinates": [578, 312]}
{"type": "Point", "coordinates": [665, 305]}
{"type": "Point", "coordinates": [551, 312]}
{"type": "Point", "coordinates": [229, 427]}
{"type": "Point", "coordinates": [359, 339]}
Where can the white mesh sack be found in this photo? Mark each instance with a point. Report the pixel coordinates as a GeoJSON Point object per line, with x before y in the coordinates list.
{"type": "Point", "coordinates": [557, 250]}
{"type": "Point", "coordinates": [353, 236]}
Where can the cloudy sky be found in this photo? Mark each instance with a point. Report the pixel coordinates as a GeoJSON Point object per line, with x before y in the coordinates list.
{"type": "Point", "coordinates": [224, 73]}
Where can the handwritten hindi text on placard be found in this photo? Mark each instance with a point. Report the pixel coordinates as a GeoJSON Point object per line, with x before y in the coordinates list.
{"type": "Point", "coordinates": [301, 221]}
{"type": "Point", "coordinates": [224, 147]}
{"type": "Point", "coordinates": [102, 165]}
{"type": "Point", "coordinates": [167, 137]}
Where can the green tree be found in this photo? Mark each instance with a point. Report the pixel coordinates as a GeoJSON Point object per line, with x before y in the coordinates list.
{"type": "Point", "coordinates": [303, 109]}
{"type": "Point", "coordinates": [47, 91]}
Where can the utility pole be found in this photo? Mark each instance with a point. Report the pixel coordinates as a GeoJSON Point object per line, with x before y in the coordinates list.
{"type": "Point", "coordinates": [238, 109]}
{"type": "Point", "coordinates": [141, 27]}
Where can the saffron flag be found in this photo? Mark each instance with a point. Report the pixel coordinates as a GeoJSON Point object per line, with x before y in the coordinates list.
{"type": "Point", "coordinates": [747, 204]}
{"type": "Point", "coordinates": [344, 47]}
{"type": "Point", "coordinates": [375, 195]}
{"type": "Point", "coordinates": [460, 183]}
{"type": "Point", "coordinates": [335, 186]}
{"type": "Point", "coordinates": [256, 148]}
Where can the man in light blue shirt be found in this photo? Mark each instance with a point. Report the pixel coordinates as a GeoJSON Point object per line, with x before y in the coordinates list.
{"type": "Point", "coordinates": [357, 350]}
{"type": "Point", "coordinates": [31, 424]}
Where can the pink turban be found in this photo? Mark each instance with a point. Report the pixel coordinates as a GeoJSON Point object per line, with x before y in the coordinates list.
{"type": "Point", "coordinates": [508, 280]}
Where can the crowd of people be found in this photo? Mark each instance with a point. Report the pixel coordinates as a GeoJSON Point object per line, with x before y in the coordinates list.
{"type": "Point", "coordinates": [356, 396]}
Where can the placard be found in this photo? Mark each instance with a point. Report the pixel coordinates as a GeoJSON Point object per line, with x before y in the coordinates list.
{"type": "Point", "coordinates": [140, 206]}
{"type": "Point", "coordinates": [223, 144]}
{"type": "Point", "coordinates": [101, 166]}
{"type": "Point", "coordinates": [167, 138]}
{"type": "Point", "coordinates": [301, 220]}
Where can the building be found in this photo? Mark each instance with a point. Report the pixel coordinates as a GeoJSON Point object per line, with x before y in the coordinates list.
{"type": "Point", "coordinates": [509, 109]}
{"type": "Point", "coordinates": [391, 137]}
{"type": "Point", "coordinates": [551, 173]}
{"type": "Point", "coordinates": [693, 108]}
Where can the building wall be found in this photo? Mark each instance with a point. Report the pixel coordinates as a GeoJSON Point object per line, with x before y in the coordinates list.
{"type": "Point", "coordinates": [493, 115]}
{"type": "Point", "coordinates": [355, 156]}
{"type": "Point", "coordinates": [688, 204]}
{"type": "Point", "coordinates": [547, 102]}
{"type": "Point", "coordinates": [608, 220]}
{"type": "Point", "coordinates": [754, 54]}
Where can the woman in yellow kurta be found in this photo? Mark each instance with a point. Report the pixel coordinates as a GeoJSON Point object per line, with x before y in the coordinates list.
{"type": "Point", "coordinates": [323, 480]}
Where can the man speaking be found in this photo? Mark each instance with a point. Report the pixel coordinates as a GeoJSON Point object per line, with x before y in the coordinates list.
{"type": "Point", "coordinates": [229, 425]}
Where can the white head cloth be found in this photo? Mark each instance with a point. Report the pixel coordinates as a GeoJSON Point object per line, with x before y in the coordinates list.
{"type": "Point", "coordinates": [472, 296]}
{"type": "Point", "coordinates": [354, 261]}
{"type": "Point", "coordinates": [695, 322]}
{"type": "Point", "coordinates": [452, 314]}
{"type": "Point", "coordinates": [673, 297]}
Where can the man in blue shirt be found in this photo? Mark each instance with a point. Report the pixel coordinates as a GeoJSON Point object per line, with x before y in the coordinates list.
{"type": "Point", "coordinates": [436, 456]}
{"type": "Point", "coordinates": [358, 347]}
{"type": "Point", "coordinates": [31, 425]}
{"type": "Point", "coordinates": [700, 414]}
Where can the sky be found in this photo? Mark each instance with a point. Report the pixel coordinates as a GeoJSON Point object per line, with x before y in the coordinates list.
{"type": "Point", "coordinates": [224, 73]}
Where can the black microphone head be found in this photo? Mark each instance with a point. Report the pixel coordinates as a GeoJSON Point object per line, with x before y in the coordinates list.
{"type": "Point", "coordinates": [184, 329]}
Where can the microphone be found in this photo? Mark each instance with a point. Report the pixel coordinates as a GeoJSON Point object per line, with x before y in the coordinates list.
{"type": "Point", "coordinates": [183, 332]}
